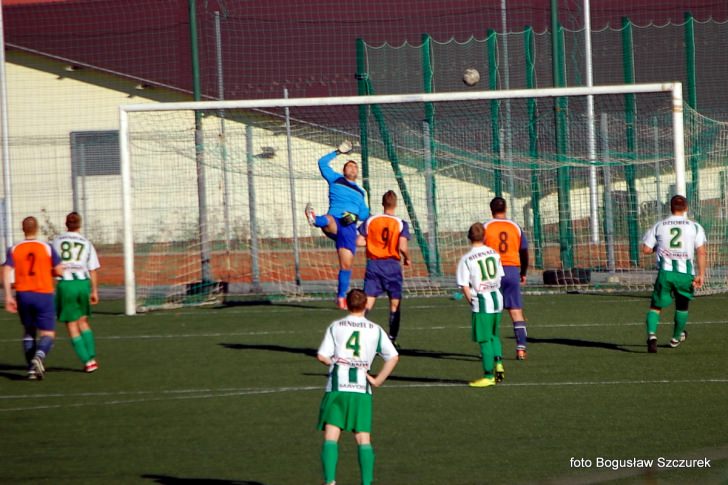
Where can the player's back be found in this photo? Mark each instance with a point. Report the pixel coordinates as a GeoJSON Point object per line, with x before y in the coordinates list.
{"type": "Point", "coordinates": [353, 342]}
{"type": "Point", "coordinates": [78, 255]}
{"type": "Point", "coordinates": [382, 235]}
{"type": "Point", "coordinates": [33, 264]}
{"type": "Point", "coordinates": [676, 238]}
{"type": "Point", "coordinates": [505, 237]}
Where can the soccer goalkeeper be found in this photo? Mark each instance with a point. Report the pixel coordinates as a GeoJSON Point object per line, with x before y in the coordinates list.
{"type": "Point", "coordinates": [347, 205]}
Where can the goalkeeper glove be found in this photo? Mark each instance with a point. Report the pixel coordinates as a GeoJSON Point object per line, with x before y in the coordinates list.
{"type": "Point", "coordinates": [345, 147]}
{"type": "Point", "coordinates": [347, 218]}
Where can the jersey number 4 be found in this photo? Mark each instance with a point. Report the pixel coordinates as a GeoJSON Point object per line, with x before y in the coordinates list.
{"type": "Point", "coordinates": [353, 343]}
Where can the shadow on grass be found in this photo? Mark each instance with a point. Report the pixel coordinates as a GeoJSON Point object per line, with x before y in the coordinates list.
{"type": "Point", "coordinates": [167, 480]}
{"type": "Point", "coordinates": [272, 348]}
{"type": "Point", "coordinates": [432, 354]}
{"type": "Point", "coordinates": [312, 352]}
{"type": "Point", "coordinates": [572, 342]}
{"type": "Point", "coordinates": [425, 380]}
{"type": "Point", "coordinates": [20, 372]}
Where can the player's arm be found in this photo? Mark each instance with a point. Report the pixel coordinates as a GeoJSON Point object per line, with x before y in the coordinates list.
{"type": "Point", "coordinates": [363, 211]}
{"type": "Point", "coordinates": [361, 237]}
{"type": "Point", "coordinates": [404, 250]}
{"type": "Point", "coordinates": [649, 241]}
{"type": "Point", "coordinates": [94, 287]}
{"type": "Point", "coordinates": [324, 165]}
{"type": "Point", "coordinates": [702, 259]}
{"type": "Point", "coordinates": [324, 359]}
{"type": "Point", "coordinates": [387, 369]}
{"type": "Point", "coordinates": [10, 304]}
{"type": "Point", "coordinates": [468, 295]}
{"type": "Point", "coordinates": [523, 257]}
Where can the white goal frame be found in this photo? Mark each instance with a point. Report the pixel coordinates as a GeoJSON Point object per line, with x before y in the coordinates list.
{"type": "Point", "coordinates": [127, 190]}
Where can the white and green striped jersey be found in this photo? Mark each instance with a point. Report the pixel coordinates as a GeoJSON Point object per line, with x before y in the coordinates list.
{"type": "Point", "coordinates": [481, 269]}
{"type": "Point", "coordinates": [78, 255]}
{"type": "Point", "coordinates": [674, 240]}
{"type": "Point", "coordinates": [352, 343]}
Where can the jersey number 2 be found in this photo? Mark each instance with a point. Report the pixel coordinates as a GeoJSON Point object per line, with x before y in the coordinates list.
{"type": "Point", "coordinates": [675, 242]}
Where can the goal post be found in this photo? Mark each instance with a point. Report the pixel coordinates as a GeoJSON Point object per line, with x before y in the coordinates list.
{"type": "Point", "coordinates": [270, 148]}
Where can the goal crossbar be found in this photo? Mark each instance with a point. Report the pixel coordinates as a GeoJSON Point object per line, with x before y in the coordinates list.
{"type": "Point", "coordinates": [675, 88]}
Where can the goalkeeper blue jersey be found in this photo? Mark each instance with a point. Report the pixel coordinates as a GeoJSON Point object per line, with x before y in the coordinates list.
{"type": "Point", "coordinates": [344, 195]}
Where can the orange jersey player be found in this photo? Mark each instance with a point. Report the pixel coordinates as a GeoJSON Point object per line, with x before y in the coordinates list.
{"type": "Point", "coordinates": [507, 238]}
{"type": "Point", "coordinates": [33, 263]}
{"type": "Point", "coordinates": [386, 238]}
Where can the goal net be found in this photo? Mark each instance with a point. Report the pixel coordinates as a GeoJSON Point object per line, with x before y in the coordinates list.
{"type": "Point", "coordinates": [214, 192]}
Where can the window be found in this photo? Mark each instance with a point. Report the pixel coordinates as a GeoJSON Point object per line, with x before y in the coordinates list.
{"type": "Point", "coordinates": [95, 153]}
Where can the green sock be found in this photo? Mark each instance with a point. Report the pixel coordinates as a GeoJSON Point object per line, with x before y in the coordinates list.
{"type": "Point", "coordinates": [653, 319]}
{"type": "Point", "coordinates": [366, 463]}
{"type": "Point", "coordinates": [486, 348]}
{"type": "Point", "coordinates": [681, 319]}
{"type": "Point", "coordinates": [88, 338]}
{"type": "Point", "coordinates": [497, 346]}
{"type": "Point", "coordinates": [80, 347]}
{"type": "Point", "coordinates": [329, 457]}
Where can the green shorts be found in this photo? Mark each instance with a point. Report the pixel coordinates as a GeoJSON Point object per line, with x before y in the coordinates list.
{"type": "Point", "coordinates": [484, 326]}
{"type": "Point", "coordinates": [350, 411]}
{"type": "Point", "coordinates": [670, 284]}
{"type": "Point", "coordinates": [73, 300]}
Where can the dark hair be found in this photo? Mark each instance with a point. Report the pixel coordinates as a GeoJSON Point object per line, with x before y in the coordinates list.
{"type": "Point", "coordinates": [476, 232]}
{"type": "Point", "coordinates": [497, 205]}
{"type": "Point", "coordinates": [356, 300]}
{"type": "Point", "coordinates": [30, 226]}
{"type": "Point", "coordinates": [73, 221]}
{"type": "Point", "coordinates": [350, 161]}
{"type": "Point", "coordinates": [389, 199]}
{"type": "Point", "coordinates": [678, 204]}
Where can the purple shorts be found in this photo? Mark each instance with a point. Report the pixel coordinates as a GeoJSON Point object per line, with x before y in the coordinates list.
{"type": "Point", "coordinates": [36, 310]}
{"type": "Point", "coordinates": [383, 275]}
{"type": "Point", "coordinates": [345, 236]}
{"type": "Point", "coordinates": [511, 288]}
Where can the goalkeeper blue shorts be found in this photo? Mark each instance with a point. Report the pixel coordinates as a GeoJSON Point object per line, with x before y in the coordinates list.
{"type": "Point", "coordinates": [345, 236]}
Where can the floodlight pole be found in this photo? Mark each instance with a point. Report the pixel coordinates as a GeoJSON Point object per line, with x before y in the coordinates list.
{"type": "Point", "coordinates": [7, 186]}
{"type": "Point", "coordinates": [591, 131]}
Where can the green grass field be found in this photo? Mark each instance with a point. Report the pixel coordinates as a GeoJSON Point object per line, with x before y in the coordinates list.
{"type": "Point", "coordinates": [231, 395]}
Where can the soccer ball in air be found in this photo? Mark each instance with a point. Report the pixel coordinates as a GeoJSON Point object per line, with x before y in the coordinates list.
{"type": "Point", "coordinates": [471, 76]}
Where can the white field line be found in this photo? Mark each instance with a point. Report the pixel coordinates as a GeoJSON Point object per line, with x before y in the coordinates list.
{"type": "Point", "coordinates": [136, 397]}
{"type": "Point", "coordinates": [293, 332]}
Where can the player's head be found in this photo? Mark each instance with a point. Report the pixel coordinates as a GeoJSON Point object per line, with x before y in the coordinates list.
{"type": "Point", "coordinates": [476, 233]}
{"type": "Point", "coordinates": [351, 170]}
{"type": "Point", "coordinates": [356, 300]}
{"type": "Point", "coordinates": [389, 200]}
{"type": "Point", "coordinates": [30, 226]}
{"type": "Point", "coordinates": [73, 221]}
{"type": "Point", "coordinates": [678, 204]}
{"type": "Point", "coordinates": [498, 206]}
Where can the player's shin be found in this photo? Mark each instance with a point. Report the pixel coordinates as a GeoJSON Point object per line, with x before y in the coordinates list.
{"type": "Point", "coordinates": [519, 330]}
{"type": "Point", "coordinates": [394, 318]}
{"type": "Point", "coordinates": [681, 320]}
{"type": "Point", "coordinates": [88, 339]}
{"type": "Point", "coordinates": [366, 463]}
{"type": "Point", "coordinates": [486, 350]}
{"type": "Point", "coordinates": [28, 347]}
{"type": "Point", "coordinates": [79, 346]}
{"type": "Point", "coordinates": [45, 343]}
{"type": "Point", "coordinates": [329, 458]}
{"type": "Point", "coordinates": [652, 320]}
{"type": "Point", "coordinates": [344, 279]}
